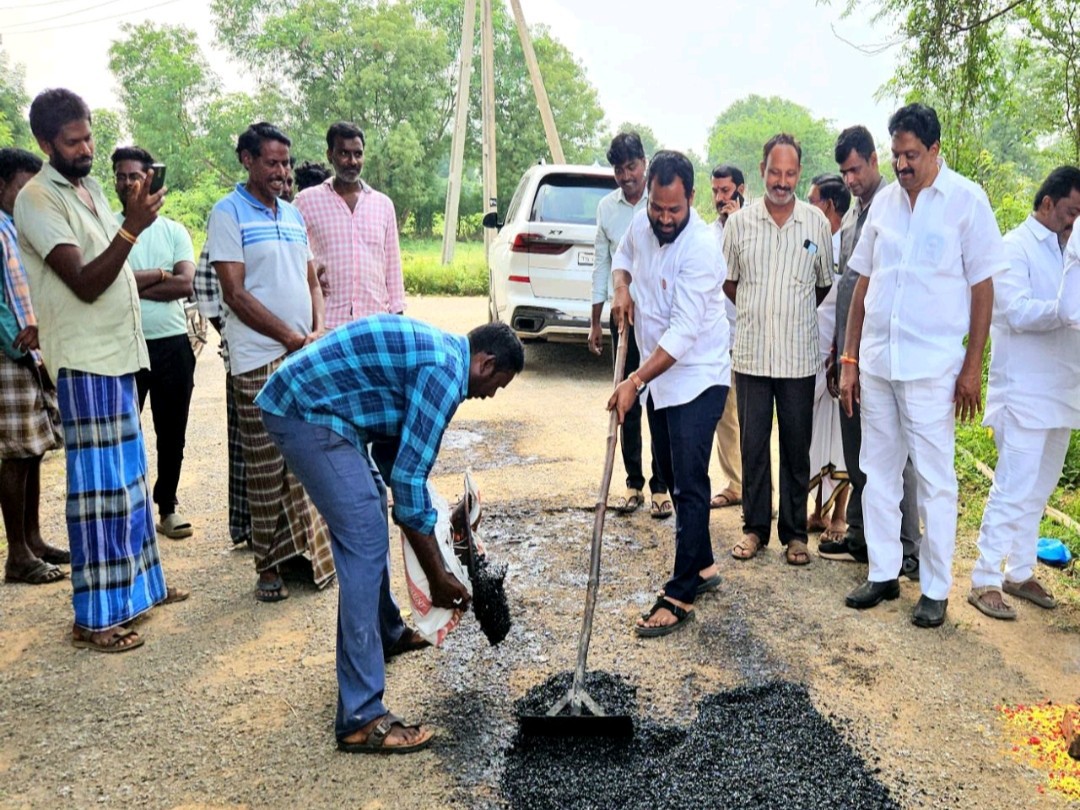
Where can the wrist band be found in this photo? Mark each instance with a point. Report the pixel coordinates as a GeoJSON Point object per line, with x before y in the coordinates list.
{"type": "Point", "coordinates": [847, 359]}
{"type": "Point", "coordinates": [620, 286]}
{"type": "Point", "coordinates": [163, 276]}
{"type": "Point", "coordinates": [127, 236]}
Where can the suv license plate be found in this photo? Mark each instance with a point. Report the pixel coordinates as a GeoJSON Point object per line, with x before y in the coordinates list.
{"type": "Point", "coordinates": [585, 257]}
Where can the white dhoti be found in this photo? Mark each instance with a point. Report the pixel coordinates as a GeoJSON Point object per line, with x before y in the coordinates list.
{"type": "Point", "coordinates": [827, 468]}
{"type": "Point", "coordinates": [1028, 468]}
{"type": "Point", "coordinates": [901, 419]}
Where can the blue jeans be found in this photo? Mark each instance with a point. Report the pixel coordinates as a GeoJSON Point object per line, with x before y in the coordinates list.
{"type": "Point", "coordinates": [349, 493]}
{"type": "Point", "coordinates": [681, 445]}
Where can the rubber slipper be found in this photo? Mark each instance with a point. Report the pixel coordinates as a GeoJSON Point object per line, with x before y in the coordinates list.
{"type": "Point", "coordinates": [1032, 590]}
{"type": "Point", "coordinates": [682, 617]}
{"type": "Point", "coordinates": [376, 739]}
{"type": "Point", "coordinates": [975, 598]}
{"type": "Point", "coordinates": [747, 548]}
{"type": "Point", "coordinates": [38, 573]}
{"type": "Point", "coordinates": [724, 499]}
{"type": "Point", "coordinates": [708, 585]}
{"type": "Point", "coordinates": [174, 595]}
{"type": "Point", "coordinates": [56, 556]}
{"type": "Point", "coordinates": [175, 527]}
{"type": "Point", "coordinates": [407, 642]}
{"type": "Point", "coordinates": [796, 553]}
{"type": "Point", "coordinates": [630, 502]}
{"type": "Point", "coordinates": [118, 635]}
{"type": "Point", "coordinates": [662, 507]}
{"type": "Point", "coordinates": [273, 590]}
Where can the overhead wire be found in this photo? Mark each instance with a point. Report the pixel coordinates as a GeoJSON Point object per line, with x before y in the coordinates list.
{"type": "Point", "coordinates": [64, 14]}
{"type": "Point", "coordinates": [88, 22]}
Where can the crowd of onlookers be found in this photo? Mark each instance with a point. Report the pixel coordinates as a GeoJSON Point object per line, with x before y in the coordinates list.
{"type": "Point", "coordinates": [859, 318]}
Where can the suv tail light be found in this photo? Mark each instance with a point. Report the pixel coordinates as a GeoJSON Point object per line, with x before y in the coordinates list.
{"type": "Point", "coordinates": [538, 243]}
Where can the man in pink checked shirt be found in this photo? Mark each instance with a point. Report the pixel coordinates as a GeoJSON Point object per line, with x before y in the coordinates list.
{"type": "Point", "coordinates": [353, 233]}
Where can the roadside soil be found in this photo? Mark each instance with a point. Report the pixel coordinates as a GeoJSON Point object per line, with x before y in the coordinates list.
{"type": "Point", "coordinates": [231, 702]}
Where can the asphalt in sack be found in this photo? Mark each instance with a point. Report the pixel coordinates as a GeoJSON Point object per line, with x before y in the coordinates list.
{"type": "Point", "coordinates": [757, 746]}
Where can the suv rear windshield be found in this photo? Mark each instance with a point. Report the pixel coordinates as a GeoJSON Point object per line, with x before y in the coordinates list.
{"type": "Point", "coordinates": [570, 198]}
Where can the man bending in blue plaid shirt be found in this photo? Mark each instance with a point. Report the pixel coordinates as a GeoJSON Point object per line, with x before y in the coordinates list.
{"type": "Point", "coordinates": [392, 383]}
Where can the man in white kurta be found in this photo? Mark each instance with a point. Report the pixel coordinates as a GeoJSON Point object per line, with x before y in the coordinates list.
{"type": "Point", "coordinates": [928, 252]}
{"type": "Point", "coordinates": [667, 277]}
{"type": "Point", "coordinates": [1032, 399]}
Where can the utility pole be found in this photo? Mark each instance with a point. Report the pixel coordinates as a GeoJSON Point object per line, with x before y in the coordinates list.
{"type": "Point", "coordinates": [457, 144]}
{"type": "Point", "coordinates": [487, 73]}
{"type": "Point", "coordinates": [550, 132]}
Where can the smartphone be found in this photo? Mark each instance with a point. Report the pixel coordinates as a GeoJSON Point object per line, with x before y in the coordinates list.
{"type": "Point", "coordinates": [736, 196]}
{"type": "Point", "coordinates": [159, 177]}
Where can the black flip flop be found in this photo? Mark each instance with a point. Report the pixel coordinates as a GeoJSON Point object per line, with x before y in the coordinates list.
{"type": "Point", "coordinates": [271, 591]}
{"type": "Point", "coordinates": [56, 556]}
{"type": "Point", "coordinates": [708, 585]}
{"type": "Point", "coordinates": [39, 573]}
{"type": "Point", "coordinates": [407, 642]}
{"type": "Point", "coordinates": [682, 617]}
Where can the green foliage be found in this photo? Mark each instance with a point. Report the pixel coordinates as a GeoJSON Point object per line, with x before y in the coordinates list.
{"type": "Point", "coordinates": [108, 134]}
{"type": "Point", "coordinates": [421, 264]}
{"type": "Point", "coordinates": [14, 128]}
{"type": "Point", "coordinates": [740, 132]}
{"type": "Point", "coordinates": [191, 206]}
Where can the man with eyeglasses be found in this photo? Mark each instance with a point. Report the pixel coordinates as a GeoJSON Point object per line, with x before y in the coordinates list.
{"type": "Point", "coordinates": [613, 215]}
{"type": "Point", "coordinates": [164, 265]}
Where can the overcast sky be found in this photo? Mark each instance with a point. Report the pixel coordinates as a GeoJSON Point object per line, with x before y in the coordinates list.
{"type": "Point", "coordinates": [673, 66]}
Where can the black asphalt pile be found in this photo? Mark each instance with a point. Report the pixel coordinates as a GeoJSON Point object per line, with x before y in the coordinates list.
{"type": "Point", "coordinates": [613, 694]}
{"type": "Point", "coordinates": [763, 746]}
{"type": "Point", "coordinates": [489, 601]}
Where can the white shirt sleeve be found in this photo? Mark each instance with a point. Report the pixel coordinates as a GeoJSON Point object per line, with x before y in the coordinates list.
{"type": "Point", "coordinates": [601, 274]}
{"type": "Point", "coordinates": [694, 285]}
{"type": "Point", "coordinates": [1013, 292]}
{"type": "Point", "coordinates": [1069, 296]}
{"type": "Point", "coordinates": [981, 245]}
{"type": "Point", "coordinates": [624, 254]}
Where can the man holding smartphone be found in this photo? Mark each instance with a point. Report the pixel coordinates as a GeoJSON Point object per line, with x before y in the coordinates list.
{"type": "Point", "coordinates": [163, 262]}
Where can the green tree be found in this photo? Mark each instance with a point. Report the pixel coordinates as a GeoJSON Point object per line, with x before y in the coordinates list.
{"type": "Point", "coordinates": [108, 134]}
{"type": "Point", "coordinates": [14, 127]}
{"type": "Point", "coordinates": [740, 132]}
{"type": "Point", "coordinates": [165, 84]}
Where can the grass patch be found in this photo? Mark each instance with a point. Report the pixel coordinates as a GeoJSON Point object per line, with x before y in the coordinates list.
{"type": "Point", "coordinates": [421, 264]}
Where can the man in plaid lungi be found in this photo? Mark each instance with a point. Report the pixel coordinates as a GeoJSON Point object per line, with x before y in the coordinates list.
{"type": "Point", "coordinates": [208, 296]}
{"type": "Point", "coordinates": [258, 247]}
{"type": "Point", "coordinates": [87, 303]}
{"type": "Point", "coordinates": [29, 419]}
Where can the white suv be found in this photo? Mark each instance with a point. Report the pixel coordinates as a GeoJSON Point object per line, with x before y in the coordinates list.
{"type": "Point", "coordinates": [541, 261]}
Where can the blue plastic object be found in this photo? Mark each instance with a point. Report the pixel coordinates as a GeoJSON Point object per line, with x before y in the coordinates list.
{"type": "Point", "coordinates": [1053, 552]}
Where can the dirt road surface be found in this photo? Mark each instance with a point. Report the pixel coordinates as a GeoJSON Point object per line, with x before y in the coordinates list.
{"type": "Point", "coordinates": [231, 702]}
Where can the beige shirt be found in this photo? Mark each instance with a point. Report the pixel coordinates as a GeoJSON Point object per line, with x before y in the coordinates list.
{"type": "Point", "coordinates": [778, 271]}
{"type": "Point", "coordinates": [104, 337]}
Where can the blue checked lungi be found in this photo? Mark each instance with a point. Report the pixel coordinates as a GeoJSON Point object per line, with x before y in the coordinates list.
{"type": "Point", "coordinates": [115, 569]}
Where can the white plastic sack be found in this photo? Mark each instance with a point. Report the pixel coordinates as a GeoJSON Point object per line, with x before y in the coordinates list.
{"type": "Point", "coordinates": [434, 623]}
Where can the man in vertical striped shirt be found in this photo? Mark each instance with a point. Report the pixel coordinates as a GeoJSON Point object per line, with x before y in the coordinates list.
{"type": "Point", "coordinates": [353, 233]}
{"type": "Point", "coordinates": [780, 268]}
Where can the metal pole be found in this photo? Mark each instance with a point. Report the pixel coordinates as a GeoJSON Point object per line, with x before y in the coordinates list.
{"type": "Point", "coordinates": [457, 143]}
{"type": "Point", "coordinates": [550, 132]}
{"type": "Point", "coordinates": [487, 63]}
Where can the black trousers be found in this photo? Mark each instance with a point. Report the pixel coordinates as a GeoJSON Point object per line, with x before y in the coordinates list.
{"type": "Point", "coordinates": [169, 382]}
{"type": "Point", "coordinates": [682, 445]}
{"type": "Point", "coordinates": [631, 430]}
{"type": "Point", "coordinates": [794, 403]}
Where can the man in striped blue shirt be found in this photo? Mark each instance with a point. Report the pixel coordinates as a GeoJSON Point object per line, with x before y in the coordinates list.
{"type": "Point", "coordinates": [392, 383]}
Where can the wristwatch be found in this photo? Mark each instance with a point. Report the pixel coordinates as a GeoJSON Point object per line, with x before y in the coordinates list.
{"type": "Point", "coordinates": [639, 384]}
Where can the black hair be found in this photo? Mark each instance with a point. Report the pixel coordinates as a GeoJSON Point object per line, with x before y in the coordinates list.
{"type": "Point", "coordinates": [918, 119]}
{"type": "Point", "coordinates": [53, 109]}
{"type": "Point", "coordinates": [13, 161]}
{"type": "Point", "coordinates": [1060, 183]}
{"type": "Point", "coordinates": [251, 139]}
{"type": "Point", "coordinates": [831, 187]}
{"type": "Point", "coordinates": [666, 165]}
{"type": "Point", "coordinates": [625, 146]}
{"type": "Point", "coordinates": [310, 174]}
{"type": "Point", "coordinates": [735, 173]}
{"type": "Point", "coordinates": [857, 138]}
{"type": "Point", "coordinates": [498, 340]}
{"type": "Point", "coordinates": [132, 153]}
{"type": "Point", "coordinates": [782, 139]}
{"type": "Point", "coordinates": [346, 131]}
